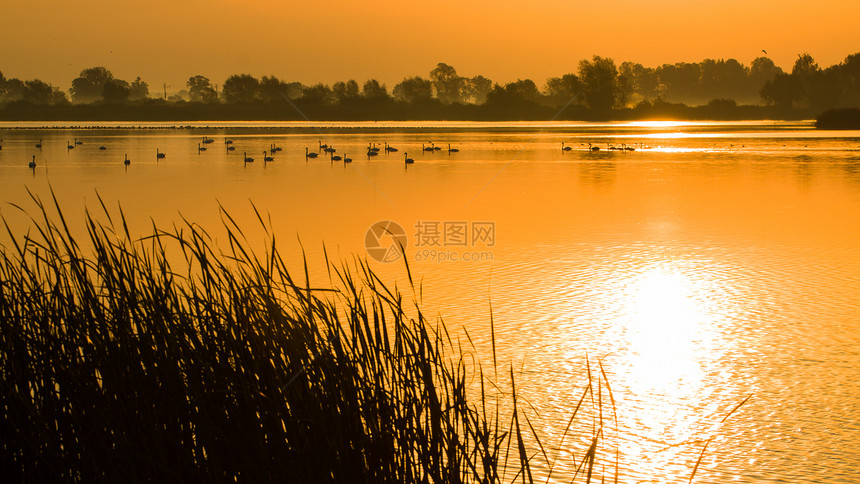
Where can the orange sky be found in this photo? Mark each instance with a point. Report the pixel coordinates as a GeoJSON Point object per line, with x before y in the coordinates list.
{"type": "Point", "coordinates": [331, 40]}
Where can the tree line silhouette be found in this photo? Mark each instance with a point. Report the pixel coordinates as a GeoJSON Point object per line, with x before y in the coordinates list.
{"type": "Point", "coordinates": [598, 89]}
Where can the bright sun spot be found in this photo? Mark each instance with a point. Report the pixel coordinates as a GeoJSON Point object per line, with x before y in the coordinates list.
{"type": "Point", "coordinates": [658, 124]}
{"type": "Point", "coordinates": [665, 318]}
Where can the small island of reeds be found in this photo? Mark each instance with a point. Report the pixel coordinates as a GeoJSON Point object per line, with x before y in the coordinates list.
{"type": "Point", "coordinates": [845, 118]}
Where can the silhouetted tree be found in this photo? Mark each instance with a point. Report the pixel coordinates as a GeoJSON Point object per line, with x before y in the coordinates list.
{"type": "Point", "coordinates": [116, 91]}
{"type": "Point", "coordinates": [520, 94]}
{"type": "Point", "coordinates": [640, 82]}
{"type": "Point", "coordinates": [138, 90]}
{"type": "Point", "coordinates": [850, 74]}
{"type": "Point", "coordinates": [680, 82]}
{"type": "Point", "coordinates": [89, 86]}
{"type": "Point", "coordinates": [475, 89]}
{"type": "Point", "coordinates": [345, 92]}
{"type": "Point", "coordinates": [414, 90]}
{"type": "Point", "coordinates": [181, 96]}
{"type": "Point", "coordinates": [564, 89]}
{"type": "Point", "coordinates": [782, 91]}
{"type": "Point", "coordinates": [241, 88]}
{"type": "Point", "coordinates": [762, 70]}
{"type": "Point", "coordinates": [273, 89]}
{"type": "Point", "coordinates": [200, 90]}
{"type": "Point", "coordinates": [448, 85]}
{"type": "Point", "coordinates": [12, 89]}
{"type": "Point", "coordinates": [724, 79]}
{"type": "Point", "coordinates": [40, 92]}
{"type": "Point", "coordinates": [805, 67]}
{"type": "Point", "coordinates": [600, 88]}
{"type": "Point", "coordinates": [2, 87]}
{"type": "Point", "coordinates": [373, 90]}
{"type": "Point", "coordinates": [317, 94]}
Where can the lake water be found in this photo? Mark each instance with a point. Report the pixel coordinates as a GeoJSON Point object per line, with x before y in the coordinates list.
{"type": "Point", "coordinates": [714, 261]}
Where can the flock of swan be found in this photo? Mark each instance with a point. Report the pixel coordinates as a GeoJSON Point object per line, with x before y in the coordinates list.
{"type": "Point", "coordinates": [268, 155]}
{"type": "Point", "coordinates": [323, 150]}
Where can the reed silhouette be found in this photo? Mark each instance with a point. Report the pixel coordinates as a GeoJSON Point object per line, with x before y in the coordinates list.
{"type": "Point", "coordinates": [119, 365]}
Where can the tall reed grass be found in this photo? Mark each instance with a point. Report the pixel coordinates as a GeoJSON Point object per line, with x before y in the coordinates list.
{"type": "Point", "coordinates": [115, 365]}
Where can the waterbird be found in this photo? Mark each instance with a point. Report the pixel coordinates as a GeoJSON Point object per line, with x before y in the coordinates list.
{"type": "Point", "coordinates": [427, 148]}
{"type": "Point", "coordinates": [372, 153]}
{"type": "Point", "coordinates": [230, 148]}
{"type": "Point", "coordinates": [39, 144]}
{"type": "Point", "coordinates": [69, 146]}
{"type": "Point", "coordinates": [407, 159]}
{"type": "Point", "coordinates": [452, 150]}
{"type": "Point", "coordinates": [102, 147]}
{"type": "Point", "coordinates": [565, 148]}
{"type": "Point", "coordinates": [126, 161]}
{"type": "Point", "coordinates": [593, 148]}
{"type": "Point", "coordinates": [78, 142]}
{"type": "Point", "coordinates": [308, 154]}
{"type": "Point", "coordinates": [247, 158]}
{"type": "Point", "coordinates": [390, 148]}
{"type": "Point", "coordinates": [322, 146]}
{"type": "Point", "coordinates": [207, 140]}
{"type": "Point", "coordinates": [267, 158]}
{"type": "Point", "coordinates": [159, 155]}
{"type": "Point", "coordinates": [200, 148]}
{"type": "Point", "coordinates": [33, 162]}
{"type": "Point", "coordinates": [334, 157]}
{"type": "Point", "coordinates": [346, 159]}
{"type": "Point", "coordinates": [228, 141]}
{"type": "Point", "coordinates": [330, 149]}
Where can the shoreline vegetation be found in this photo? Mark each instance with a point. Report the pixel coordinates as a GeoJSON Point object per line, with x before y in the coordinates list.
{"type": "Point", "coordinates": [598, 90]}
{"type": "Point", "coordinates": [117, 366]}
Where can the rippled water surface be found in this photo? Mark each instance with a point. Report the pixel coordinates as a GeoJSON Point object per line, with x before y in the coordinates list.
{"type": "Point", "coordinates": [710, 262]}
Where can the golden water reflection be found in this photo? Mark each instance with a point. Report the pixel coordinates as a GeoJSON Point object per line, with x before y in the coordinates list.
{"type": "Point", "coordinates": [699, 271]}
{"type": "Point", "coordinates": [668, 332]}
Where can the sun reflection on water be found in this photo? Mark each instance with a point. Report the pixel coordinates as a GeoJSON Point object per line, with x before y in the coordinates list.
{"type": "Point", "coordinates": [663, 326]}
{"type": "Point", "coordinates": [668, 334]}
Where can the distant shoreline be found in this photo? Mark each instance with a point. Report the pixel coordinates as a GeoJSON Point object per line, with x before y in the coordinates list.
{"type": "Point", "coordinates": [413, 126]}
{"type": "Point", "coordinates": [394, 112]}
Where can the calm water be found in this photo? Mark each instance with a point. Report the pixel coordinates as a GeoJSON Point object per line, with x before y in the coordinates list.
{"type": "Point", "coordinates": [713, 262]}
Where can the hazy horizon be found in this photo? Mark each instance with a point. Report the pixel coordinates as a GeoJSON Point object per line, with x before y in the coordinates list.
{"type": "Point", "coordinates": [333, 40]}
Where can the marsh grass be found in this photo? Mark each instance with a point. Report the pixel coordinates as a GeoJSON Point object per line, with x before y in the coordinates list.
{"type": "Point", "coordinates": [117, 366]}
